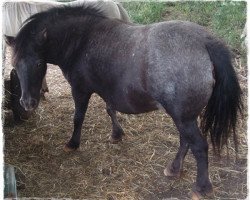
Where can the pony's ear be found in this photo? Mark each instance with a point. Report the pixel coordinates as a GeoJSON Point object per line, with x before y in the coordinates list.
{"type": "Point", "coordinates": [42, 36]}
{"type": "Point", "coordinates": [9, 40]}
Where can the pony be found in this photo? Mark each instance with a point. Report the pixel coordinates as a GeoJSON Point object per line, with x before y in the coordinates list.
{"type": "Point", "coordinates": [175, 65]}
{"type": "Point", "coordinates": [16, 12]}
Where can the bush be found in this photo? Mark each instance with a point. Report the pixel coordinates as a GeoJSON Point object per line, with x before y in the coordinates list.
{"type": "Point", "coordinates": [228, 22]}
{"type": "Point", "coordinates": [225, 19]}
{"type": "Point", "coordinates": [145, 12]}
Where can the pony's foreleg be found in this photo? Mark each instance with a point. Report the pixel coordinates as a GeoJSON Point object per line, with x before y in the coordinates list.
{"type": "Point", "coordinates": [175, 168]}
{"type": "Point", "coordinates": [44, 88]}
{"type": "Point", "coordinates": [117, 131]}
{"type": "Point", "coordinates": [81, 104]}
{"type": "Point", "coordinates": [199, 147]}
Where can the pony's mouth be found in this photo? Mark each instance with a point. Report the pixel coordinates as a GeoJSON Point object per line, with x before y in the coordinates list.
{"type": "Point", "coordinates": [29, 104]}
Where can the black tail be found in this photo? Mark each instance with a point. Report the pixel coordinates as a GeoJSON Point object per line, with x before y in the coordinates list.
{"type": "Point", "coordinates": [221, 113]}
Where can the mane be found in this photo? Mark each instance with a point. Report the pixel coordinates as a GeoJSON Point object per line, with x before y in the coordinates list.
{"type": "Point", "coordinates": [42, 20]}
{"type": "Point", "coordinates": [67, 10]}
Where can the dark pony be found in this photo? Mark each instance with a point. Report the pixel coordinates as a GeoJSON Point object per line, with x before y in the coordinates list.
{"type": "Point", "coordinates": [175, 65]}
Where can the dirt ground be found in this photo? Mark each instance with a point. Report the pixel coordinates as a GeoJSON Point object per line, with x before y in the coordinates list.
{"type": "Point", "coordinates": [130, 170]}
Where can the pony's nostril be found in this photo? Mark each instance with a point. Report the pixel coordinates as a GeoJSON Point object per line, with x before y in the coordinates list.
{"type": "Point", "coordinates": [33, 103]}
{"type": "Point", "coordinates": [21, 102]}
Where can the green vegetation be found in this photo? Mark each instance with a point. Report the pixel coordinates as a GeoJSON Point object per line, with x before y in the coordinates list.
{"type": "Point", "coordinates": [226, 19]}
{"type": "Point", "coordinates": [229, 21]}
{"type": "Point", "coordinates": [145, 12]}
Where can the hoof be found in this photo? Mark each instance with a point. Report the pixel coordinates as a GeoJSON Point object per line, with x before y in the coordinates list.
{"type": "Point", "coordinates": [198, 196]}
{"type": "Point", "coordinates": [115, 140]}
{"type": "Point", "coordinates": [195, 195]}
{"type": "Point", "coordinates": [69, 149]}
{"type": "Point", "coordinates": [116, 137]}
{"type": "Point", "coordinates": [168, 171]}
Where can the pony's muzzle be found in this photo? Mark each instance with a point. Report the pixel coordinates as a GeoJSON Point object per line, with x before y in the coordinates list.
{"type": "Point", "coordinates": [29, 104]}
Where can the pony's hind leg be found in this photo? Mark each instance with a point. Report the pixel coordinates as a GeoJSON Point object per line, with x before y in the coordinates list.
{"type": "Point", "coordinates": [175, 168]}
{"type": "Point", "coordinates": [117, 131]}
{"type": "Point", "coordinates": [190, 132]}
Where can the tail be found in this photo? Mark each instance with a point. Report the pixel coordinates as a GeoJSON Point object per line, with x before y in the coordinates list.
{"type": "Point", "coordinates": [220, 115]}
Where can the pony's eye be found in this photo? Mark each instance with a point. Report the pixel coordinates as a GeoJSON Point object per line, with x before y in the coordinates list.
{"type": "Point", "coordinates": [40, 64]}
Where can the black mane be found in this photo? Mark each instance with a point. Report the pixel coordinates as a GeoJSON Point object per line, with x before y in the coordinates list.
{"type": "Point", "coordinates": [37, 22]}
{"type": "Point", "coordinates": [63, 11]}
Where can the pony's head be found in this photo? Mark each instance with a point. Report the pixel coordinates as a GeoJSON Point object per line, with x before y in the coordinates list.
{"type": "Point", "coordinates": [48, 37]}
{"type": "Point", "coordinates": [30, 65]}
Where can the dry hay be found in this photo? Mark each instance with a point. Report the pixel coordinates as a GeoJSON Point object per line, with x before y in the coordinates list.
{"type": "Point", "coordinates": [132, 169]}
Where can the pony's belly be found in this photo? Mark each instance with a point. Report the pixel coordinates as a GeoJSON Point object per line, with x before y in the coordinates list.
{"type": "Point", "coordinates": [133, 104]}
{"type": "Point", "coordinates": [135, 108]}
